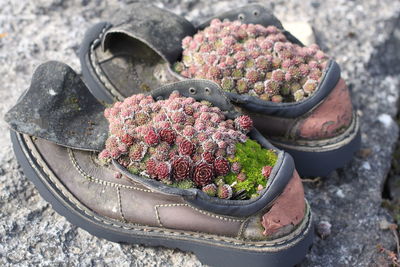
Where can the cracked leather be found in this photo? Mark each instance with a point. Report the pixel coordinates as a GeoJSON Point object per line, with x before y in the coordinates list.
{"type": "Point", "coordinates": [58, 107]}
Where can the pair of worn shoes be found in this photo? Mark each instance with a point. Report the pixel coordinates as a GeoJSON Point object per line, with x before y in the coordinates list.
{"type": "Point", "coordinates": [177, 162]}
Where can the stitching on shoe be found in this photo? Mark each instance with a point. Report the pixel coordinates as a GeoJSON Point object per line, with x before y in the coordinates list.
{"type": "Point", "coordinates": [198, 210]}
{"type": "Point", "coordinates": [158, 216]}
{"type": "Point", "coordinates": [120, 204]}
{"type": "Point", "coordinates": [98, 181]}
{"type": "Point", "coordinates": [243, 227]}
{"type": "Point", "coordinates": [103, 79]}
{"type": "Point", "coordinates": [78, 205]}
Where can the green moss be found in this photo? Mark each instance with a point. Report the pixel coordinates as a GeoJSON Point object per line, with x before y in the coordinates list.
{"type": "Point", "coordinates": [252, 158]}
{"type": "Point", "coordinates": [145, 88]}
{"type": "Point", "coordinates": [178, 67]}
{"type": "Point", "coordinates": [207, 103]}
{"type": "Point", "coordinates": [185, 184]}
{"type": "Point", "coordinates": [134, 170]}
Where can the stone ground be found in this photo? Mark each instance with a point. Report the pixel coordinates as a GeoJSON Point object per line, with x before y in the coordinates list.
{"type": "Point", "coordinates": [363, 36]}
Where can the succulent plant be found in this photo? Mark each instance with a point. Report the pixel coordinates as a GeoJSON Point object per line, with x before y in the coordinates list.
{"type": "Point", "coordinates": [203, 174]}
{"type": "Point", "coordinates": [221, 166]}
{"type": "Point", "coordinates": [168, 136]}
{"type": "Point", "coordinates": [181, 168]}
{"type": "Point", "coordinates": [184, 184]}
{"type": "Point", "coordinates": [154, 139]}
{"type": "Point", "coordinates": [163, 170]}
{"type": "Point", "coordinates": [244, 123]}
{"type": "Point", "coordinates": [210, 189]}
{"type": "Point", "coordinates": [225, 191]}
{"type": "Point", "coordinates": [251, 59]}
{"type": "Point", "coordinates": [266, 171]}
{"type": "Point", "coordinates": [186, 147]}
{"type": "Point", "coordinates": [241, 177]}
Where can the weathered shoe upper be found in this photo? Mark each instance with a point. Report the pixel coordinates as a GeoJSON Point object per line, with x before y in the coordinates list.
{"type": "Point", "coordinates": [72, 167]}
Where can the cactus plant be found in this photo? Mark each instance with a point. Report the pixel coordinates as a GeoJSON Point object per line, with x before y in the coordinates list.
{"type": "Point", "coordinates": [186, 144]}
{"type": "Point", "coordinates": [252, 59]}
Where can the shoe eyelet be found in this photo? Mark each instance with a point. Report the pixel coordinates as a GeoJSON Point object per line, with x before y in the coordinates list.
{"type": "Point", "coordinates": [192, 90]}
{"type": "Point", "coordinates": [241, 16]}
{"type": "Point", "coordinates": [256, 13]}
{"type": "Point", "coordinates": [207, 90]}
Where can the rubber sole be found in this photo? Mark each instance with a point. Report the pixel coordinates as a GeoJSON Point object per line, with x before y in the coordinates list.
{"type": "Point", "coordinates": [320, 160]}
{"type": "Point", "coordinates": [210, 249]}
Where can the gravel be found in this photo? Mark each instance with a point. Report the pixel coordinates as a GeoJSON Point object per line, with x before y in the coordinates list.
{"type": "Point", "coordinates": [363, 36]}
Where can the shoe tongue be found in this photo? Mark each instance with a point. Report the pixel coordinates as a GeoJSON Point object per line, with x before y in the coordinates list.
{"type": "Point", "coordinates": [58, 107]}
{"type": "Point", "coordinates": [200, 90]}
{"type": "Point", "coordinates": [248, 14]}
{"type": "Point", "coordinates": [160, 29]}
{"type": "Point", "coordinates": [252, 14]}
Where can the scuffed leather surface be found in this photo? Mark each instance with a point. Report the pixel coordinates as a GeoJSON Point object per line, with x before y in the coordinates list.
{"type": "Point", "coordinates": [187, 218]}
{"type": "Point", "coordinates": [330, 118]}
{"type": "Point", "coordinates": [287, 210]}
{"type": "Point", "coordinates": [101, 198]}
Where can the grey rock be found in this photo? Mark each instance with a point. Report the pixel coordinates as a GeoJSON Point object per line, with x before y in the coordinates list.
{"type": "Point", "coordinates": [323, 229]}
{"type": "Point", "coordinates": [363, 36]}
{"type": "Point", "coordinates": [394, 187]}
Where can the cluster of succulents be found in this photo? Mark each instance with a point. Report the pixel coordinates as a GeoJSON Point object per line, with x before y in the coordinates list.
{"type": "Point", "coordinates": [187, 144]}
{"type": "Point", "coordinates": [252, 59]}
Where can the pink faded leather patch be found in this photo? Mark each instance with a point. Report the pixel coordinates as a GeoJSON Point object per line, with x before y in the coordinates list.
{"type": "Point", "coordinates": [288, 208]}
{"type": "Point", "coordinates": [331, 118]}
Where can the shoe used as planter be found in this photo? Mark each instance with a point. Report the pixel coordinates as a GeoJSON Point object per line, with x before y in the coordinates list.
{"type": "Point", "coordinates": [164, 173]}
{"type": "Point", "coordinates": [293, 93]}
